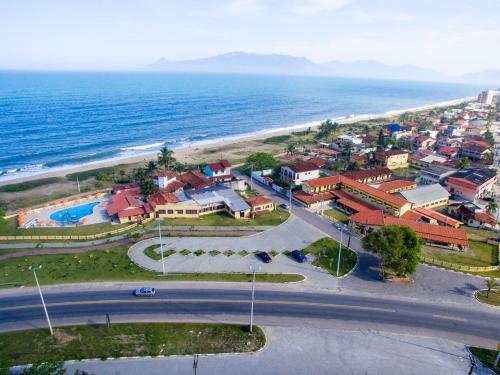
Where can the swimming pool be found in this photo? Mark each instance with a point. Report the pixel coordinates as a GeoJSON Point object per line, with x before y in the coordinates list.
{"type": "Point", "coordinates": [74, 214]}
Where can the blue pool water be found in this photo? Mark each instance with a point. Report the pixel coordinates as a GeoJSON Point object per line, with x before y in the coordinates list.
{"type": "Point", "coordinates": [74, 214]}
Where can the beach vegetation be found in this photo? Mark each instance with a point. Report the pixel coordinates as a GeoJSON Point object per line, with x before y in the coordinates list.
{"type": "Point", "coordinates": [277, 139]}
{"type": "Point", "coordinates": [27, 185]}
{"type": "Point", "coordinates": [166, 158]}
{"type": "Point", "coordinates": [398, 246]}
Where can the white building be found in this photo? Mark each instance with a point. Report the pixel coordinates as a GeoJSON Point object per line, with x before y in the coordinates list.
{"type": "Point", "coordinates": [348, 138]}
{"type": "Point", "coordinates": [299, 172]}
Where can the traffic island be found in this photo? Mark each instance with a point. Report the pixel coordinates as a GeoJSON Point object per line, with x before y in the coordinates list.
{"type": "Point", "coordinates": [126, 340]}
{"type": "Point", "coordinates": [490, 298]}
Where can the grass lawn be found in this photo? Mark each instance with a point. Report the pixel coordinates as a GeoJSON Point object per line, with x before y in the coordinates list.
{"type": "Point", "coordinates": [493, 298]}
{"type": "Point", "coordinates": [326, 251]}
{"type": "Point", "coordinates": [408, 171]}
{"type": "Point", "coordinates": [223, 219]}
{"type": "Point", "coordinates": [487, 357]}
{"type": "Point", "coordinates": [9, 228]}
{"type": "Point", "coordinates": [480, 234]}
{"type": "Point", "coordinates": [130, 339]}
{"type": "Point", "coordinates": [108, 265]}
{"type": "Point", "coordinates": [150, 252]}
{"type": "Point", "coordinates": [338, 215]}
{"type": "Point", "coordinates": [480, 254]}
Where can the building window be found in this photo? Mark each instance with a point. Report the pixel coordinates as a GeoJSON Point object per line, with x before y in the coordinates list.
{"type": "Point", "coordinates": [191, 212]}
{"type": "Point", "coordinates": [170, 212]}
{"type": "Point", "coordinates": [179, 212]}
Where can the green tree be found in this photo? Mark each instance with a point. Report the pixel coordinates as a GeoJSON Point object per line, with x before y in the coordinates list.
{"type": "Point", "coordinates": [492, 207]}
{"type": "Point", "coordinates": [139, 174]}
{"type": "Point", "coordinates": [338, 165]}
{"type": "Point", "coordinates": [326, 129]}
{"type": "Point", "coordinates": [424, 125]}
{"type": "Point", "coordinates": [151, 167]}
{"type": "Point", "coordinates": [463, 163]}
{"type": "Point", "coordinates": [290, 149]}
{"type": "Point", "coordinates": [490, 283]}
{"type": "Point", "coordinates": [353, 166]}
{"type": "Point", "coordinates": [488, 136]}
{"type": "Point", "coordinates": [166, 158]}
{"type": "Point", "coordinates": [398, 246]}
{"type": "Point", "coordinates": [261, 161]}
{"type": "Point", "coordinates": [381, 139]}
{"type": "Point", "coordinates": [148, 187]}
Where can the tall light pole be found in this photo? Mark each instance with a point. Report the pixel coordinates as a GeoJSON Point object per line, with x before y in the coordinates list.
{"type": "Point", "coordinates": [340, 251]}
{"type": "Point", "coordinates": [161, 248]}
{"type": "Point", "coordinates": [251, 177]}
{"type": "Point", "coordinates": [33, 269]}
{"type": "Point", "coordinates": [290, 200]}
{"type": "Point", "coordinates": [250, 328]}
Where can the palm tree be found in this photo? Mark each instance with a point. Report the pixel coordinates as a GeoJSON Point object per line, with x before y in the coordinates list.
{"type": "Point", "coordinates": [492, 207]}
{"type": "Point", "coordinates": [490, 283]}
{"type": "Point", "coordinates": [150, 167]}
{"type": "Point", "coordinates": [139, 174]}
{"type": "Point", "coordinates": [166, 157]}
{"type": "Point", "coordinates": [291, 149]}
{"type": "Point", "coordinates": [463, 163]}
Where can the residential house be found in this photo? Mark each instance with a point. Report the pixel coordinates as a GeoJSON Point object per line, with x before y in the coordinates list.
{"type": "Point", "coordinates": [424, 141]}
{"type": "Point", "coordinates": [345, 139]}
{"type": "Point", "coordinates": [391, 159]}
{"type": "Point", "coordinates": [260, 205]}
{"type": "Point", "coordinates": [127, 206]}
{"type": "Point", "coordinates": [427, 161]}
{"type": "Point", "coordinates": [435, 174]}
{"type": "Point", "coordinates": [318, 162]}
{"type": "Point", "coordinates": [472, 214]}
{"type": "Point", "coordinates": [168, 182]}
{"type": "Point", "coordinates": [220, 171]}
{"type": "Point", "coordinates": [195, 180]}
{"type": "Point", "coordinates": [451, 153]}
{"type": "Point", "coordinates": [297, 173]}
{"type": "Point", "coordinates": [324, 152]}
{"type": "Point", "coordinates": [449, 142]}
{"type": "Point", "coordinates": [427, 196]}
{"type": "Point", "coordinates": [475, 150]}
{"type": "Point", "coordinates": [370, 176]}
{"type": "Point", "coordinates": [471, 183]}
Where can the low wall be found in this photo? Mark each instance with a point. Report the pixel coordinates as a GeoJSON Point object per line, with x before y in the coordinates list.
{"type": "Point", "coordinates": [457, 267]}
{"type": "Point", "coordinates": [75, 237]}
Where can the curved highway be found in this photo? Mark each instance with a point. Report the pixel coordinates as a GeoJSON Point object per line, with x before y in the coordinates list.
{"type": "Point", "coordinates": [481, 325]}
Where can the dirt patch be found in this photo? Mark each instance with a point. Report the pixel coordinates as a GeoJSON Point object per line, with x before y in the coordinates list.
{"type": "Point", "coordinates": [63, 337]}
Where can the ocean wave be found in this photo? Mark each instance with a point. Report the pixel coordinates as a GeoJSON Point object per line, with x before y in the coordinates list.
{"type": "Point", "coordinates": [143, 147]}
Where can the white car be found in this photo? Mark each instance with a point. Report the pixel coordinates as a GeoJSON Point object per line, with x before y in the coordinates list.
{"type": "Point", "coordinates": [145, 292]}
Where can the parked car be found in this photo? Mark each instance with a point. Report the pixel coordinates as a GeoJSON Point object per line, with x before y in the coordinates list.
{"type": "Point", "coordinates": [145, 292]}
{"type": "Point", "coordinates": [285, 206]}
{"type": "Point", "coordinates": [265, 257]}
{"type": "Point", "coordinates": [299, 256]}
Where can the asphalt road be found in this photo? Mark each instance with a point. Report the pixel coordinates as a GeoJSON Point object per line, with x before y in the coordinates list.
{"type": "Point", "coordinates": [473, 326]}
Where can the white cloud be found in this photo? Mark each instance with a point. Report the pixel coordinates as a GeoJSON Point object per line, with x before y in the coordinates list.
{"type": "Point", "coordinates": [299, 7]}
{"type": "Point", "coordinates": [318, 6]}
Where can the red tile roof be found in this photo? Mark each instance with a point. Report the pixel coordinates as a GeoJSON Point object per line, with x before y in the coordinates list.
{"type": "Point", "coordinates": [258, 200]}
{"type": "Point", "coordinates": [389, 153]}
{"type": "Point", "coordinates": [326, 151]}
{"type": "Point", "coordinates": [484, 217]}
{"type": "Point", "coordinates": [124, 202]}
{"type": "Point", "coordinates": [196, 179]}
{"type": "Point", "coordinates": [438, 216]}
{"type": "Point", "coordinates": [447, 150]}
{"type": "Point", "coordinates": [426, 231]}
{"type": "Point", "coordinates": [396, 185]}
{"type": "Point", "coordinates": [323, 181]}
{"type": "Point", "coordinates": [162, 198]}
{"type": "Point", "coordinates": [318, 162]}
{"type": "Point", "coordinates": [462, 182]}
{"type": "Point", "coordinates": [305, 166]}
{"type": "Point", "coordinates": [220, 166]}
{"type": "Point", "coordinates": [310, 199]}
{"type": "Point", "coordinates": [368, 173]}
{"type": "Point", "coordinates": [352, 202]}
{"type": "Point", "coordinates": [173, 186]}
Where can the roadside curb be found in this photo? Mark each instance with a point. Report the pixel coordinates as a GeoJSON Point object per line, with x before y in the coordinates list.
{"type": "Point", "coordinates": [484, 303]}
{"type": "Point", "coordinates": [459, 272]}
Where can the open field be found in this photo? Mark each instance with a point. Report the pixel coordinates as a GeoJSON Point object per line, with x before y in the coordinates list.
{"type": "Point", "coordinates": [337, 215]}
{"type": "Point", "coordinates": [107, 265]}
{"type": "Point", "coordinates": [222, 219]}
{"type": "Point", "coordinates": [131, 339]}
{"type": "Point", "coordinates": [479, 254]}
{"type": "Point", "coordinates": [326, 251]}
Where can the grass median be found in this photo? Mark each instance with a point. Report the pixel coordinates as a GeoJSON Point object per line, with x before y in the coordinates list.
{"type": "Point", "coordinates": [126, 340]}
{"type": "Point", "coordinates": [326, 251]}
{"type": "Point", "coordinates": [107, 265]}
{"type": "Point", "coordinates": [491, 298]}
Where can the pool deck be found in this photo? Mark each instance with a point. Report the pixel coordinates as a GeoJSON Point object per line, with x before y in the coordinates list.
{"type": "Point", "coordinates": [42, 218]}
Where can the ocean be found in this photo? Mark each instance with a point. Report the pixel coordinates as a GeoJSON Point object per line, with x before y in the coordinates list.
{"type": "Point", "coordinates": [56, 119]}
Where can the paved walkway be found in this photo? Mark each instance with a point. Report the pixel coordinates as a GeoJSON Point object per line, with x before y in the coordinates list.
{"type": "Point", "coordinates": [311, 351]}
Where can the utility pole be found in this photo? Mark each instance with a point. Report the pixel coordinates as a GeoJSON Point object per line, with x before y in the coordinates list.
{"type": "Point", "coordinates": [78, 183]}
{"type": "Point", "coordinates": [340, 252]}
{"type": "Point", "coordinates": [251, 176]}
{"type": "Point", "coordinates": [161, 248]}
{"type": "Point", "coordinates": [33, 269]}
{"type": "Point", "coordinates": [290, 200]}
{"type": "Point", "coordinates": [349, 228]}
{"type": "Point", "coordinates": [195, 363]}
{"type": "Point", "coordinates": [250, 328]}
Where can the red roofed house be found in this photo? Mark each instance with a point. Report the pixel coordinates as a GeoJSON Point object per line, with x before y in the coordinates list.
{"type": "Point", "coordinates": [168, 182]}
{"type": "Point", "coordinates": [424, 141]}
{"type": "Point", "coordinates": [326, 152]}
{"type": "Point", "coordinates": [126, 207]}
{"type": "Point", "coordinates": [370, 176]}
{"type": "Point", "coordinates": [471, 184]}
{"type": "Point", "coordinates": [396, 186]}
{"type": "Point", "coordinates": [260, 205]}
{"type": "Point", "coordinates": [131, 188]}
{"type": "Point", "coordinates": [449, 152]}
{"type": "Point", "coordinates": [220, 171]}
{"type": "Point", "coordinates": [195, 180]}
{"type": "Point", "coordinates": [475, 150]}
{"type": "Point", "coordinates": [318, 162]}
{"type": "Point", "coordinates": [297, 173]}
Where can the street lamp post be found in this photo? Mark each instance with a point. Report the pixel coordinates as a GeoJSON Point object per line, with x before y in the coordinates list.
{"type": "Point", "coordinates": [161, 248]}
{"type": "Point", "coordinates": [251, 177]}
{"type": "Point", "coordinates": [250, 328]}
{"type": "Point", "coordinates": [290, 200]}
{"type": "Point", "coordinates": [340, 252]}
{"type": "Point", "coordinates": [33, 269]}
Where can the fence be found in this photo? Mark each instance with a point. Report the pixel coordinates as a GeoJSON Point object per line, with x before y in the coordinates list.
{"type": "Point", "coordinates": [80, 237]}
{"type": "Point", "coordinates": [457, 267]}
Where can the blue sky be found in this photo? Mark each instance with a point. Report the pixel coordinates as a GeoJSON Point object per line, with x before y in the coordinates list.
{"type": "Point", "coordinates": [451, 36]}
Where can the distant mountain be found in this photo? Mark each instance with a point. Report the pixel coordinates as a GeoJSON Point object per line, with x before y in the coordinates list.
{"type": "Point", "coordinates": [253, 63]}
{"type": "Point", "coordinates": [486, 76]}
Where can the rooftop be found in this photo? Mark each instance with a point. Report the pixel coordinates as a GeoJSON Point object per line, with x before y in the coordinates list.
{"type": "Point", "coordinates": [258, 200]}
{"type": "Point", "coordinates": [425, 193]}
{"type": "Point", "coordinates": [367, 173]}
{"type": "Point", "coordinates": [305, 166]}
{"type": "Point", "coordinates": [396, 185]}
{"type": "Point", "coordinates": [476, 176]}
{"type": "Point", "coordinates": [218, 194]}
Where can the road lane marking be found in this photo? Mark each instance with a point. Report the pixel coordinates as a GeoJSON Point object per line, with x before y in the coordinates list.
{"type": "Point", "coordinates": [448, 317]}
{"type": "Point", "coordinates": [204, 300]}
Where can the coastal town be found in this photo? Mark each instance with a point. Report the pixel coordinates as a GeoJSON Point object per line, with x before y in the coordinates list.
{"type": "Point", "coordinates": [425, 182]}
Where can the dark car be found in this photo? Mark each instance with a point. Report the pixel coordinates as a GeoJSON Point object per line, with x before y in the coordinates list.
{"type": "Point", "coordinates": [299, 256]}
{"type": "Point", "coordinates": [265, 257]}
{"type": "Point", "coordinates": [284, 206]}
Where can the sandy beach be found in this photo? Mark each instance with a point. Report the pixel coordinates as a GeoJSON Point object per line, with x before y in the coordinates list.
{"type": "Point", "coordinates": [198, 152]}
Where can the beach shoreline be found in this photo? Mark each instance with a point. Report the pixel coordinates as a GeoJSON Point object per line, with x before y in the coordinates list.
{"type": "Point", "coordinates": [183, 153]}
